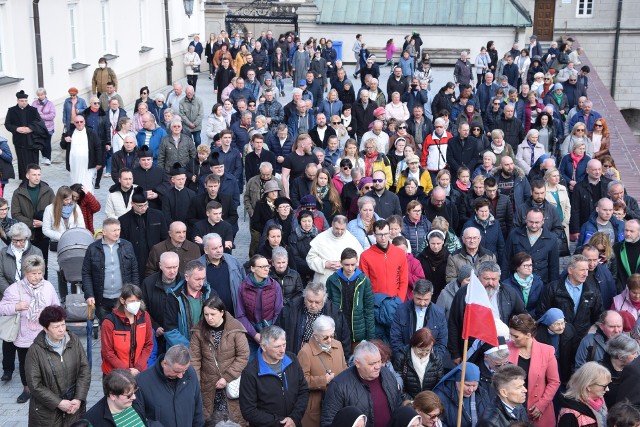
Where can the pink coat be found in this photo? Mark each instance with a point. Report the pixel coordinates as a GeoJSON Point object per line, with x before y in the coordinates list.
{"type": "Point", "coordinates": [415, 273]}
{"type": "Point", "coordinates": [543, 380]}
{"type": "Point", "coordinates": [621, 302]}
{"type": "Point", "coordinates": [28, 331]}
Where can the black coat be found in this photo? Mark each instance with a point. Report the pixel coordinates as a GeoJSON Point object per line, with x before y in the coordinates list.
{"type": "Point", "coordinates": [589, 308]}
{"type": "Point", "coordinates": [630, 386]}
{"type": "Point", "coordinates": [100, 415]}
{"type": "Point", "coordinates": [464, 154]}
{"type": "Point", "coordinates": [93, 268]}
{"type": "Point", "coordinates": [315, 137]}
{"type": "Point", "coordinates": [363, 117]}
{"type": "Point", "coordinates": [497, 416]}
{"type": "Point", "coordinates": [347, 389]}
{"type": "Point", "coordinates": [252, 163]}
{"type": "Point", "coordinates": [13, 121]}
{"type": "Point", "coordinates": [413, 385]}
{"type": "Point", "coordinates": [503, 213]}
{"type": "Point", "coordinates": [265, 399]}
{"type": "Point", "coordinates": [95, 148]}
{"type": "Point", "coordinates": [583, 202]}
{"type": "Point", "coordinates": [198, 208]}
{"type": "Point", "coordinates": [449, 211]}
{"type": "Point", "coordinates": [155, 297]}
{"type": "Point", "coordinates": [513, 131]}
{"type": "Point", "coordinates": [292, 320]}
{"type": "Point", "coordinates": [567, 348]}
{"type": "Point", "coordinates": [175, 204]}
{"type": "Point", "coordinates": [152, 179]}
{"type": "Point", "coordinates": [544, 252]}
{"type": "Point", "coordinates": [299, 247]}
{"type": "Point", "coordinates": [509, 304]}
{"type": "Point", "coordinates": [290, 282]}
{"type": "Point", "coordinates": [118, 162]}
{"type": "Point", "coordinates": [143, 239]}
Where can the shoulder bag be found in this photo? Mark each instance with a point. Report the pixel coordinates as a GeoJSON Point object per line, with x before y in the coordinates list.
{"type": "Point", "coordinates": [10, 325]}
{"type": "Point", "coordinates": [232, 389]}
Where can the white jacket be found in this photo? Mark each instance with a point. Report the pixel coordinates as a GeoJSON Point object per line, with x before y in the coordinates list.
{"type": "Point", "coordinates": [327, 247]}
{"type": "Point", "coordinates": [115, 204]}
{"type": "Point", "coordinates": [55, 233]}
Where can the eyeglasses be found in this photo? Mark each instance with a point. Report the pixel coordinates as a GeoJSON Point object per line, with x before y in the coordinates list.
{"type": "Point", "coordinates": [78, 122]}
{"type": "Point", "coordinates": [495, 103]}
{"type": "Point", "coordinates": [4, 209]}
{"type": "Point", "coordinates": [402, 127]}
{"type": "Point", "coordinates": [516, 320]}
{"type": "Point", "coordinates": [262, 266]}
{"type": "Point", "coordinates": [438, 127]}
{"type": "Point", "coordinates": [547, 79]}
{"type": "Point", "coordinates": [602, 385]}
{"type": "Point", "coordinates": [327, 337]}
{"type": "Point", "coordinates": [346, 168]}
{"type": "Point", "coordinates": [18, 240]}
{"type": "Point", "coordinates": [527, 265]}
{"type": "Point", "coordinates": [336, 123]}
{"type": "Point", "coordinates": [130, 395]}
{"type": "Point", "coordinates": [422, 350]}
{"type": "Point", "coordinates": [95, 103]}
{"type": "Point", "coordinates": [367, 187]}
{"type": "Point", "coordinates": [378, 181]}
{"type": "Point", "coordinates": [416, 210]}
{"type": "Point", "coordinates": [382, 234]}
{"type": "Point", "coordinates": [145, 93]}
{"type": "Point", "coordinates": [432, 417]}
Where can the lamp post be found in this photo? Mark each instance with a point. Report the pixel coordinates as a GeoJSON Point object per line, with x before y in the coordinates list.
{"type": "Point", "coordinates": [188, 7]}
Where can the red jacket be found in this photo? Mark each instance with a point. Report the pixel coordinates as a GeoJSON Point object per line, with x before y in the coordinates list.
{"type": "Point", "coordinates": [434, 152]}
{"type": "Point", "coordinates": [123, 348]}
{"type": "Point", "coordinates": [388, 271]}
{"type": "Point", "coordinates": [415, 273]}
{"type": "Point", "coordinates": [89, 206]}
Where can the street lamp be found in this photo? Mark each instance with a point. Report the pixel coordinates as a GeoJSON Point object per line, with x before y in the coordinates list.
{"type": "Point", "coordinates": [188, 7]}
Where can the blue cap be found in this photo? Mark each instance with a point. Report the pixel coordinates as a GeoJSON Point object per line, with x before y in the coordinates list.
{"type": "Point", "coordinates": [552, 315]}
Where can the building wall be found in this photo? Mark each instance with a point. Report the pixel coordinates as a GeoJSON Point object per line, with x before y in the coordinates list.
{"type": "Point", "coordinates": [129, 25]}
{"type": "Point", "coordinates": [596, 34]}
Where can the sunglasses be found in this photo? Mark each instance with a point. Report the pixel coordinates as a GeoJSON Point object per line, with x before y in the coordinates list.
{"type": "Point", "coordinates": [597, 125]}
{"type": "Point", "coordinates": [402, 127]}
{"type": "Point", "coordinates": [377, 181]}
{"type": "Point", "coordinates": [367, 187]}
{"type": "Point", "coordinates": [336, 123]}
{"type": "Point", "coordinates": [495, 103]}
{"type": "Point", "coordinates": [346, 168]}
{"type": "Point", "coordinates": [579, 130]}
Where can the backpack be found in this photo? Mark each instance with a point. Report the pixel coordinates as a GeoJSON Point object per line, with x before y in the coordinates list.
{"type": "Point", "coordinates": [385, 308]}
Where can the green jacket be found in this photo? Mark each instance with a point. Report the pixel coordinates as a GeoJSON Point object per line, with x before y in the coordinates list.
{"type": "Point", "coordinates": [191, 112]}
{"type": "Point", "coordinates": [361, 317]}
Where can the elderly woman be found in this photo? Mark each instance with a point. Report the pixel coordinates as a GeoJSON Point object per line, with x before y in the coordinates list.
{"type": "Point", "coordinates": [540, 364]}
{"type": "Point", "coordinates": [119, 402]}
{"type": "Point", "coordinates": [157, 107]}
{"type": "Point", "coordinates": [629, 299]}
{"type": "Point", "coordinates": [573, 166]}
{"type": "Point", "coordinates": [524, 281]}
{"type": "Point", "coordinates": [433, 260]}
{"type": "Point", "coordinates": [321, 359]}
{"type": "Point", "coordinates": [396, 109]}
{"type": "Point", "coordinates": [583, 403]}
{"type": "Point", "coordinates": [299, 244]}
{"type": "Point", "coordinates": [58, 217]}
{"type": "Point", "coordinates": [620, 350]}
{"type": "Point", "coordinates": [489, 228]}
{"type": "Point", "coordinates": [529, 151]}
{"type": "Point", "coordinates": [558, 196]}
{"type": "Point", "coordinates": [191, 63]}
{"type": "Point", "coordinates": [554, 331]}
{"type": "Point", "coordinates": [415, 171]}
{"type": "Point", "coordinates": [411, 190]}
{"type": "Point", "coordinates": [362, 226]}
{"type": "Point", "coordinates": [27, 298]}
{"type": "Point", "coordinates": [428, 405]}
{"type": "Point", "coordinates": [126, 334]}
{"type": "Point", "coordinates": [219, 353]}
{"type": "Point", "coordinates": [499, 147]}
{"type": "Point", "coordinates": [6, 222]}
{"type": "Point", "coordinates": [486, 168]}
{"type": "Point", "coordinates": [141, 110]}
{"type": "Point", "coordinates": [448, 390]}
{"type": "Point", "coordinates": [58, 372]}
{"type": "Point", "coordinates": [452, 242]}
{"type": "Point", "coordinates": [578, 134]}
{"type": "Point", "coordinates": [420, 367]}
{"type": "Point", "coordinates": [415, 227]}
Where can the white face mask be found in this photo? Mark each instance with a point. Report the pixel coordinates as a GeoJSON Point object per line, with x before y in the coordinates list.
{"type": "Point", "coordinates": [102, 65]}
{"type": "Point", "coordinates": [133, 307]}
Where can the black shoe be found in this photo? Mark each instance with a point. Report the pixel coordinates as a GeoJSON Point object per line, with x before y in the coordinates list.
{"type": "Point", "coordinates": [6, 376]}
{"type": "Point", "coordinates": [97, 186]}
{"type": "Point", "coordinates": [354, 76]}
{"type": "Point", "coordinates": [24, 397]}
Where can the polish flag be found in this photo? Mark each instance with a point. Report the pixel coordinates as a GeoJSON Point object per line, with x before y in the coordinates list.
{"type": "Point", "coordinates": [478, 316]}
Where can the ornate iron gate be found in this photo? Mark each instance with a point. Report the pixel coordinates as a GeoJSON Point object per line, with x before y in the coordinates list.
{"type": "Point", "coordinates": [261, 11]}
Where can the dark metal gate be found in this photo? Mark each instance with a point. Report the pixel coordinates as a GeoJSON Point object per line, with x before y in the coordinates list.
{"type": "Point", "coordinates": [261, 12]}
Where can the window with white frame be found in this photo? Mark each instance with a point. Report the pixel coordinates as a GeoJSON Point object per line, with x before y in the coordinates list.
{"type": "Point", "coordinates": [141, 23]}
{"type": "Point", "coordinates": [73, 28]}
{"type": "Point", "coordinates": [104, 24]}
{"type": "Point", "coordinates": [585, 9]}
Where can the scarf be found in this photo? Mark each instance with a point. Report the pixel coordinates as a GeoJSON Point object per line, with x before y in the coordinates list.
{"type": "Point", "coordinates": [59, 346]}
{"type": "Point", "coordinates": [525, 285]}
{"type": "Point", "coordinates": [496, 149]}
{"type": "Point", "coordinates": [271, 204]}
{"type": "Point", "coordinates": [576, 159]}
{"type": "Point", "coordinates": [37, 303]}
{"type": "Point", "coordinates": [557, 97]}
{"type": "Point", "coordinates": [308, 324]}
{"type": "Point", "coordinates": [311, 233]}
{"type": "Point", "coordinates": [437, 259]}
{"type": "Point", "coordinates": [599, 410]}
{"type": "Point", "coordinates": [369, 160]}
{"type": "Point", "coordinates": [256, 283]}
{"type": "Point", "coordinates": [462, 186]}
{"type": "Point", "coordinates": [419, 365]}
{"type": "Point", "coordinates": [322, 191]}
{"type": "Point", "coordinates": [485, 223]}
{"type": "Point", "coordinates": [67, 210]}
{"type": "Point", "coordinates": [532, 147]}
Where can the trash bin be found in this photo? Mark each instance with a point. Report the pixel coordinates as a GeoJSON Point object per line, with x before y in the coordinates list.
{"type": "Point", "coordinates": [337, 45]}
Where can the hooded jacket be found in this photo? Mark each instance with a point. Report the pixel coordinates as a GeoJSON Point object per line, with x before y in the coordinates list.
{"type": "Point", "coordinates": [178, 321]}
{"type": "Point", "coordinates": [126, 345]}
{"type": "Point", "coordinates": [590, 227]}
{"type": "Point", "coordinates": [361, 320]}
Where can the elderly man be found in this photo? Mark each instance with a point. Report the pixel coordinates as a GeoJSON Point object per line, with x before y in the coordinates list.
{"type": "Point", "coordinates": [21, 120]}
{"type": "Point", "coordinates": [301, 121]}
{"type": "Point", "coordinates": [616, 192]}
{"type": "Point", "coordinates": [273, 390]}
{"type": "Point", "coordinates": [627, 253]}
{"type": "Point", "coordinates": [271, 109]}
{"type": "Point", "coordinates": [385, 264]}
{"type": "Point", "coordinates": [462, 72]}
{"type": "Point", "coordinates": [541, 244]}
{"type": "Point", "coordinates": [177, 243]}
{"type": "Point", "coordinates": [505, 303]}
{"type": "Point", "coordinates": [368, 385]}
{"type": "Point", "coordinates": [175, 148]}
{"type": "Point", "coordinates": [172, 379]}
{"type": "Point", "coordinates": [489, 359]}
{"type": "Point", "coordinates": [223, 271]}
{"type": "Point", "coordinates": [586, 116]}
{"type": "Point", "coordinates": [417, 313]}
{"type": "Point", "coordinates": [471, 253]}
{"type": "Point", "coordinates": [464, 150]}
{"type": "Point", "coordinates": [440, 205]}
{"type": "Point", "coordinates": [592, 346]}
{"type": "Point", "coordinates": [191, 111]}
{"type": "Point", "coordinates": [152, 135]}
{"type": "Point", "coordinates": [175, 96]}
{"type": "Point", "coordinates": [376, 133]}
{"type": "Point", "coordinates": [580, 301]}
{"type": "Point", "coordinates": [323, 257]}
{"type": "Point", "coordinates": [298, 315]}
{"type": "Point", "coordinates": [511, 395]}
{"type": "Point", "coordinates": [154, 293]}
{"type": "Point", "coordinates": [586, 194]}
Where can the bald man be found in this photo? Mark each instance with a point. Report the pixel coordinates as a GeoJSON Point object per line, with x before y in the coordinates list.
{"type": "Point", "coordinates": [176, 242]}
{"type": "Point", "coordinates": [586, 194]}
{"type": "Point", "coordinates": [602, 220]}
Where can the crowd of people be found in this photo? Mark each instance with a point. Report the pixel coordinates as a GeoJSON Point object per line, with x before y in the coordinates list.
{"type": "Point", "coordinates": [370, 212]}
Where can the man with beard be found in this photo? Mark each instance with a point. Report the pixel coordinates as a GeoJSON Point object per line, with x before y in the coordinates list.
{"type": "Point", "coordinates": [627, 253]}
{"type": "Point", "coordinates": [387, 202]}
{"type": "Point", "coordinates": [143, 226]}
{"type": "Point", "coordinates": [301, 186]}
{"type": "Point", "coordinates": [151, 178]}
{"type": "Point", "coordinates": [505, 303]}
{"type": "Point", "coordinates": [177, 243]}
{"type": "Point", "coordinates": [295, 163]}
{"type": "Point", "coordinates": [321, 132]}
{"type": "Point", "coordinates": [176, 200]}
{"type": "Point", "coordinates": [119, 198]}
{"type": "Point", "coordinates": [198, 205]}
{"type": "Point", "coordinates": [538, 200]}
{"type": "Point", "coordinates": [512, 182]}
{"type": "Point", "coordinates": [297, 318]}
{"type": "Point", "coordinates": [511, 126]}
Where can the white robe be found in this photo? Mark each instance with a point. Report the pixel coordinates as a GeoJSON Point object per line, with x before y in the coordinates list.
{"type": "Point", "coordinates": [327, 247]}
{"type": "Point", "coordinates": [79, 159]}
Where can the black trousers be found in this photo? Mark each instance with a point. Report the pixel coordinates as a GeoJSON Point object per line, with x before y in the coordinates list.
{"type": "Point", "coordinates": [42, 243]}
{"type": "Point", "coordinates": [8, 356]}
{"type": "Point", "coordinates": [26, 156]}
{"type": "Point", "coordinates": [22, 357]}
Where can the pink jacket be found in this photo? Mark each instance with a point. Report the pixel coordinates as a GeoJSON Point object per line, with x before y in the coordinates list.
{"type": "Point", "coordinates": [47, 112]}
{"type": "Point", "coordinates": [415, 273]}
{"type": "Point", "coordinates": [391, 49]}
{"type": "Point", "coordinates": [13, 294]}
{"type": "Point", "coordinates": [543, 380]}
{"type": "Point", "coordinates": [621, 302]}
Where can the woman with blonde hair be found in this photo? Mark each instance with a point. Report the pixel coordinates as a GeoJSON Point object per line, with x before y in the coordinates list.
{"type": "Point", "coordinates": [558, 196]}
{"type": "Point", "coordinates": [602, 242]}
{"type": "Point", "coordinates": [578, 134]}
{"type": "Point", "coordinates": [573, 166]}
{"type": "Point", "coordinates": [583, 403]}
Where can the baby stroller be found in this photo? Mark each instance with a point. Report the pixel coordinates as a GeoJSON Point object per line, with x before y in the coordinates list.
{"type": "Point", "coordinates": [72, 247]}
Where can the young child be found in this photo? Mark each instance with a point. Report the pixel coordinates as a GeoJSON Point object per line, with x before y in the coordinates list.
{"type": "Point", "coordinates": [391, 49]}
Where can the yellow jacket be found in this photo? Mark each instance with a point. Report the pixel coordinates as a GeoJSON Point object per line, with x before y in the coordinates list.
{"type": "Point", "coordinates": [425, 180]}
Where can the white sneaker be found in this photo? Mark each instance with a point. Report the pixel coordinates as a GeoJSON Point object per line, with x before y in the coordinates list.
{"type": "Point", "coordinates": [106, 174]}
{"type": "Point", "coordinates": [46, 161]}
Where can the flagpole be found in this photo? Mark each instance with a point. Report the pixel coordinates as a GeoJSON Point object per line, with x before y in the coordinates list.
{"type": "Point", "coordinates": [463, 373]}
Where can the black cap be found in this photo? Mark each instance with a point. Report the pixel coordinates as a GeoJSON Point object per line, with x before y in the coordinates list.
{"type": "Point", "coordinates": [144, 151]}
{"type": "Point", "coordinates": [22, 95]}
{"type": "Point", "coordinates": [281, 201]}
{"type": "Point", "coordinates": [139, 195]}
{"type": "Point", "coordinates": [214, 159]}
{"type": "Point", "coordinates": [177, 169]}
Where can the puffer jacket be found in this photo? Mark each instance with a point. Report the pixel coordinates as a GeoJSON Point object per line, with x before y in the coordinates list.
{"type": "Point", "coordinates": [621, 302]}
{"type": "Point", "coordinates": [123, 348]}
{"type": "Point", "coordinates": [403, 364]}
{"type": "Point", "coordinates": [227, 361]}
{"type": "Point", "coordinates": [521, 188]}
{"type": "Point", "coordinates": [416, 233]}
{"type": "Point", "coordinates": [356, 227]}
{"type": "Point", "coordinates": [299, 246]}
{"type": "Point", "coordinates": [71, 370]}
{"type": "Point", "coordinates": [347, 389]}
{"type": "Point", "coordinates": [93, 268]}
{"type": "Point", "coordinates": [503, 213]}
{"type": "Point", "coordinates": [290, 282]}
{"type": "Point", "coordinates": [8, 265]}
{"type": "Point", "coordinates": [591, 348]}
{"type": "Point", "coordinates": [168, 153]}
{"type": "Point", "coordinates": [361, 318]}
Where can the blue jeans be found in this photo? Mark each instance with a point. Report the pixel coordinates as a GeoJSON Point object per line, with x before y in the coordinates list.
{"type": "Point", "coordinates": [196, 137]}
